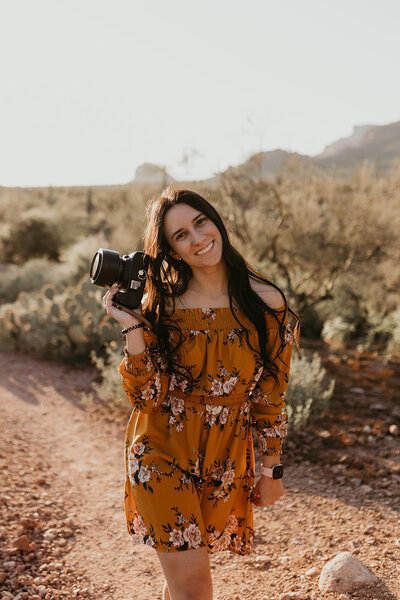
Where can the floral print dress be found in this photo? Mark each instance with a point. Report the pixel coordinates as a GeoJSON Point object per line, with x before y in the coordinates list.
{"type": "Point", "coordinates": [190, 467]}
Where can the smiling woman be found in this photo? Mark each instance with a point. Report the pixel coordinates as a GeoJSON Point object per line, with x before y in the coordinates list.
{"type": "Point", "coordinates": [217, 365]}
{"type": "Point", "coordinates": [197, 237]}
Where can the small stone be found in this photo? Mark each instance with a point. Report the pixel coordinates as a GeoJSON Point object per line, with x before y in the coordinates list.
{"type": "Point", "coordinates": [324, 433]}
{"type": "Point", "coordinates": [396, 412]}
{"type": "Point", "coordinates": [49, 534]}
{"type": "Point", "coordinates": [312, 572]}
{"type": "Point", "coordinates": [23, 543]}
{"type": "Point", "coordinates": [356, 390]}
{"type": "Point", "coordinates": [393, 429]}
{"type": "Point", "coordinates": [262, 560]}
{"type": "Point", "coordinates": [377, 406]}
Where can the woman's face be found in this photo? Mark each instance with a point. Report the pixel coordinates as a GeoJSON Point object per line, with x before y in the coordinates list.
{"type": "Point", "coordinates": [192, 236]}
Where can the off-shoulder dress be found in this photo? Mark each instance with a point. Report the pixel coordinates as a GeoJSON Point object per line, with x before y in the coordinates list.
{"type": "Point", "coordinates": [190, 466]}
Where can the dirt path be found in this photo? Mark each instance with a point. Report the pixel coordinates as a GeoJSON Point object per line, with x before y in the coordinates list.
{"type": "Point", "coordinates": [61, 496]}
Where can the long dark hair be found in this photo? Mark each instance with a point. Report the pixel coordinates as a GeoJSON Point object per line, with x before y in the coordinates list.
{"type": "Point", "coordinates": [169, 277]}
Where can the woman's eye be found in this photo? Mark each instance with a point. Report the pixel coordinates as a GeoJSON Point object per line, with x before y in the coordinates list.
{"type": "Point", "coordinates": [201, 220]}
{"type": "Point", "coordinates": [179, 236]}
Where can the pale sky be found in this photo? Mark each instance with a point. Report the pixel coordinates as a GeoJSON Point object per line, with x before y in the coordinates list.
{"type": "Point", "coordinates": [90, 89]}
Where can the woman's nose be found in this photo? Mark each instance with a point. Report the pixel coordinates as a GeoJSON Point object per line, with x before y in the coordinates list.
{"type": "Point", "coordinates": [197, 238]}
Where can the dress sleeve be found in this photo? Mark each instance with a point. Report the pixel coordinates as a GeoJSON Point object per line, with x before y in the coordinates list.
{"type": "Point", "coordinates": [269, 417]}
{"type": "Point", "coordinates": [144, 378]}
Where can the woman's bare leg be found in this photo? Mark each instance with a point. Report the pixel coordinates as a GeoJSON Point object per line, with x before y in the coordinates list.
{"type": "Point", "coordinates": [188, 574]}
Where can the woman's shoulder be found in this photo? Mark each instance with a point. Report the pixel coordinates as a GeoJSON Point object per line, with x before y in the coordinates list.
{"type": "Point", "coordinates": [268, 293]}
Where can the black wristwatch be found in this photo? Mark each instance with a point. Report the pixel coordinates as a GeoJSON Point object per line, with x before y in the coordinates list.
{"type": "Point", "coordinates": [276, 472]}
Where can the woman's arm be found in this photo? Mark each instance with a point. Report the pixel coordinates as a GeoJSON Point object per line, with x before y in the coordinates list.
{"type": "Point", "coordinates": [144, 376]}
{"type": "Point", "coordinates": [268, 415]}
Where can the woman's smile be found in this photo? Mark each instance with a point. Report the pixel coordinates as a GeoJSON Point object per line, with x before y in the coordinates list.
{"type": "Point", "coordinates": [205, 250]}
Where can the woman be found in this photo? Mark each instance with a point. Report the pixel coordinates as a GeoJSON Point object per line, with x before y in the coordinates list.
{"type": "Point", "coordinates": [216, 363]}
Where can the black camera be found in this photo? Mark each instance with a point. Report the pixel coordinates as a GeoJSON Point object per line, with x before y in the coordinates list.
{"type": "Point", "coordinates": [129, 272]}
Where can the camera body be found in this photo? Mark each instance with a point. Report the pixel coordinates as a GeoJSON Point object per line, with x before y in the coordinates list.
{"type": "Point", "coordinates": [129, 272]}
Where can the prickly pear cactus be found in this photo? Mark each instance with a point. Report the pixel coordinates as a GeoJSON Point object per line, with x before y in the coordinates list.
{"type": "Point", "coordinates": [66, 327]}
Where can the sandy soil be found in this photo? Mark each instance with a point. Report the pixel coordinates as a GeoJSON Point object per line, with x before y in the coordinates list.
{"type": "Point", "coordinates": [63, 532]}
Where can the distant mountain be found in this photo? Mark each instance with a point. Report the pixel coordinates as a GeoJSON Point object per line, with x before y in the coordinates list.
{"type": "Point", "coordinates": [268, 164]}
{"type": "Point", "coordinates": [152, 174]}
{"type": "Point", "coordinates": [376, 143]}
{"type": "Point", "coordinates": [352, 141]}
{"type": "Point", "coordinates": [379, 144]}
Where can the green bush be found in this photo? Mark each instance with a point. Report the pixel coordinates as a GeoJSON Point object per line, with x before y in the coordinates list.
{"type": "Point", "coordinates": [309, 390]}
{"type": "Point", "coordinates": [31, 238]}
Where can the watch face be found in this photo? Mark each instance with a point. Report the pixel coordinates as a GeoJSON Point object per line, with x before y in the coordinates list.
{"type": "Point", "coordinates": [277, 472]}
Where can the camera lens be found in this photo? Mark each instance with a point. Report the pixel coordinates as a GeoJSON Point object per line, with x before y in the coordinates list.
{"type": "Point", "coordinates": [106, 268]}
{"type": "Point", "coordinates": [95, 266]}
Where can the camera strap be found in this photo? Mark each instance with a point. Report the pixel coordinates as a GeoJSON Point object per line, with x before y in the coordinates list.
{"type": "Point", "coordinates": [138, 316]}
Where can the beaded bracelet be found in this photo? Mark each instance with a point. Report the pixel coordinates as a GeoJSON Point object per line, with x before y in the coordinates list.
{"type": "Point", "coordinates": [124, 331]}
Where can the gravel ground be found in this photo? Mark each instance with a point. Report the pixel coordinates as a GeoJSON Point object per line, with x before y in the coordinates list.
{"type": "Point", "coordinates": [63, 532]}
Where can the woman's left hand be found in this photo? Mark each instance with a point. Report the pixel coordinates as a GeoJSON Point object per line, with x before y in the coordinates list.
{"type": "Point", "coordinates": [267, 491]}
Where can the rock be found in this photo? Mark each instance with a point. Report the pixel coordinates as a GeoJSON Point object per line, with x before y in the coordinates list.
{"type": "Point", "coordinates": [312, 572]}
{"type": "Point", "coordinates": [365, 489]}
{"type": "Point", "coordinates": [324, 433]}
{"type": "Point", "coordinates": [394, 429]}
{"type": "Point", "coordinates": [344, 573]}
{"type": "Point", "coordinates": [29, 523]}
{"type": "Point", "coordinates": [377, 406]}
{"type": "Point", "coordinates": [23, 543]}
{"type": "Point", "coordinates": [262, 560]}
{"type": "Point", "coordinates": [49, 534]}
{"type": "Point", "coordinates": [396, 412]}
{"type": "Point", "coordinates": [356, 390]}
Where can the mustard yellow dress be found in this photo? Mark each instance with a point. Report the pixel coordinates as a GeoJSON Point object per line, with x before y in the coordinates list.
{"type": "Point", "coordinates": [190, 468]}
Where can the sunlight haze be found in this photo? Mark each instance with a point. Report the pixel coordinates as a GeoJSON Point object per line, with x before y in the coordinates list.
{"type": "Point", "coordinates": [92, 89]}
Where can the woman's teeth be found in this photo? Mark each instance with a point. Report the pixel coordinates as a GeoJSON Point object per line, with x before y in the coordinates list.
{"type": "Point", "coordinates": [206, 249]}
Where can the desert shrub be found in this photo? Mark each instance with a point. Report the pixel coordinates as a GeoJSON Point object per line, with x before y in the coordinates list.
{"type": "Point", "coordinates": [311, 323]}
{"type": "Point", "coordinates": [35, 273]}
{"type": "Point", "coordinates": [338, 330]}
{"type": "Point", "coordinates": [383, 332]}
{"type": "Point", "coordinates": [65, 326]}
{"type": "Point", "coordinates": [31, 238]}
{"type": "Point", "coordinates": [109, 391]}
{"type": "Point", "coordinates": [307, 230]}
{"type": "Point", "coordinates": [29, 277]}
{"type": "Point", "coordinates": [309, 390]}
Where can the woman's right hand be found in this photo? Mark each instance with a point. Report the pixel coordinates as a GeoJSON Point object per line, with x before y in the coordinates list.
{"type": "Point", "coordinates": [119, 315]}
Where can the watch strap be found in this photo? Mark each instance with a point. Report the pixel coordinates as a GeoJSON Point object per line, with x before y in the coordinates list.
{"type": "Point", "coordinates": [269, 471]}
